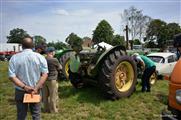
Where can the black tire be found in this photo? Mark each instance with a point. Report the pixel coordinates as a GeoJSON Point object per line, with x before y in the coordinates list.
{"type": "Point", "coordinates": [63, 61]}
{"type": "Point", "coordinates": [76, 79]}
{"type": "Point", "coordinates": [107, 75]}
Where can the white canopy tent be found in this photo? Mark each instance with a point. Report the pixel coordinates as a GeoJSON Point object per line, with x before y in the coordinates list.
{"type": "Point", "coordinates": [104, 45]}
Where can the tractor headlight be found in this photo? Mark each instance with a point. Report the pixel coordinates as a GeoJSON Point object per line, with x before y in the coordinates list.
{"type": "Point", "coordinates": [178, 96]}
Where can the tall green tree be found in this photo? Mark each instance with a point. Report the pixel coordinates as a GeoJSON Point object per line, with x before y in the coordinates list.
{"type": "Point", "coordinates": [136, 42]}
{"type": "Point", "coordinates": [118, 40]}
{"type": "Point", "coordinates": [39, 40]}
{"type": "Point", "coordinates": [74, 40]}
{"type": "Point", "coordinates": [157, 31]}
{"type": "Point", "coordinates": [16, 35]}
{"type": "Point", "coordinates": [161, 32]}
{"type": "Point", "coordinates": [150, 44]}
{"type": "Point", "coordinates": [103, 33]}
{"type": "Point", "coordinates": [173, 29]}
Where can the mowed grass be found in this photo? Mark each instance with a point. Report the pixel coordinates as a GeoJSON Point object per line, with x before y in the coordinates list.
{"type": "Point", "coordinates": [89, 104]}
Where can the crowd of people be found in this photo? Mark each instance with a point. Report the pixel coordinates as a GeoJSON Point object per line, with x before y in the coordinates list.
{"type": "Point", "coordinates": [34, 73]}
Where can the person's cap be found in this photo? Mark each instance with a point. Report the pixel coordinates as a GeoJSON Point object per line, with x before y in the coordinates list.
{"type": "Point", "coordinates": [42, 47]}
{"type": "Point", "coordinates": [50, 49]}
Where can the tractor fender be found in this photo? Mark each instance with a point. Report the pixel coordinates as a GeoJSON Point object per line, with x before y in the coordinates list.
{"type": "Point", "coordinates": [60, 53]}
{"type": "Point", "coordinates": [104, 55]}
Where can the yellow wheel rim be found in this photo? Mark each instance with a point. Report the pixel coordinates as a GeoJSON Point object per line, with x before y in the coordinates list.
{"type": "Point", "coordinates": [124, 76]}
{"type": "Point", "coordinates": [153, 78]}
{"type": "Point", "coordinates": [67, 68]}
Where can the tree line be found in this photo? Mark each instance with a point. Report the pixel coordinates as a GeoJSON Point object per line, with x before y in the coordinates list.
{"type": "Point", "coordinates": [141, 28]}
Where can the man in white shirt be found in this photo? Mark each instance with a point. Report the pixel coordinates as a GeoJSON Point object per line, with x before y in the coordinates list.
{"type": "Point", "coordinates": [28, 71]}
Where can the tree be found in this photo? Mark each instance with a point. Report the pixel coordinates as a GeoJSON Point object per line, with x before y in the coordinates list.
{"type": "Point", "coordinates": [16, 35]}
{"type": "Point", "coordinates": [136, 42]}
{"type": "Point", "coordinates": [173, 29]}
{"type": "Point", "coordinates": [136, 21]}
{"type": "Point", "coordinates": [103, 32]}
{"type": "Point", "coordinates": [156, 31]}
{"type": "Point", "coordinates": [118, 40]}
{"type": "Point", "coordinates": [74, 40]}
{"type": "Point", "coordinates": [150, 44]}
{"type": "Point", "coordinates": [142, 27]}
{"type": "Point", "coordinates": [57, 45]}
{"type": "Point", "coordinates": [161, 32]}
{"type": "Point", "coordinates": [39, 40]}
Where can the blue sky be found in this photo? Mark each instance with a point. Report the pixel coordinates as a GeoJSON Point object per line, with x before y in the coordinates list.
{"type": "Point", "coordinates": [56, 19]}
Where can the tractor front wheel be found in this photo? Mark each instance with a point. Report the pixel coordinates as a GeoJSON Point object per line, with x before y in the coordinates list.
{"type": "Point", "coordinates": [153, 78]}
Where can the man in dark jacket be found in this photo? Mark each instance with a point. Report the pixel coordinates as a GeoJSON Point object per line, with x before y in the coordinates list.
{"type": "Point", "coordinates": [50, 89]}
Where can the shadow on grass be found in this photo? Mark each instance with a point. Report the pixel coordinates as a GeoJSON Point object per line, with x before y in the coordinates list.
{"type": "Point", "coordinates": [66, 91]}
{"type": "Point", "coordinates": [88, 94]}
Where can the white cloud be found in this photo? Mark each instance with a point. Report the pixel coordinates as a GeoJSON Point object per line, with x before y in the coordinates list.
{"type": "Point", "coordinates": [82, 12]}
{"type": "Point", "coordinates": [58, 27]}
{"type": "Point", "coordinates": [61, 12]}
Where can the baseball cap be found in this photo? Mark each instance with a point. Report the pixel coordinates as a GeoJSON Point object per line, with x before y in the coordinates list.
{"type": "Point", "coordinates": [42, 47]}
{"type": "Point", "coordinates": [50, 49]}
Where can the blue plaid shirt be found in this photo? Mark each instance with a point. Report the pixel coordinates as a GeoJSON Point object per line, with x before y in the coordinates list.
{"type": "Point", "coordinates": [27, 66]}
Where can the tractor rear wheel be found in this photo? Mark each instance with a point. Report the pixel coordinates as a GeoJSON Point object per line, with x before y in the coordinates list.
{"type": "Point", "coordinates": [64, 60]}
{"type": "Point", "coordinates": [118, 75]}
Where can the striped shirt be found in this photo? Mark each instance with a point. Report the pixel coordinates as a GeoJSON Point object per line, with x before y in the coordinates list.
{"type": "Point", "coordinates": [27, 66]}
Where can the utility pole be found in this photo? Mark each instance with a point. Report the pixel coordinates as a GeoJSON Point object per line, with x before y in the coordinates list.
{"type": "Point", "coordinates": [127, 39]}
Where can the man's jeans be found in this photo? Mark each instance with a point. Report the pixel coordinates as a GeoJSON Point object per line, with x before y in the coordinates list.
{"type": "Point", "coordinates": [146, 78]}
{"type": "Point", "coordinates": [22, 108]}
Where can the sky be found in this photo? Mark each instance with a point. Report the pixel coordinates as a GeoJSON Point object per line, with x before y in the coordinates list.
{"type": "Point", "coordinates": [56, 19]}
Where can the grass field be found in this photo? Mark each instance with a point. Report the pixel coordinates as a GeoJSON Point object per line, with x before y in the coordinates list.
{"type": "Point", "coordinates": [88, 103]}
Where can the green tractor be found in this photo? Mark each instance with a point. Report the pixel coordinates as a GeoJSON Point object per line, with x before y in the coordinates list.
{"type": "Point", "coordinates": [112, 70]}
{"type": "Point", "coordinates": [63, 56]}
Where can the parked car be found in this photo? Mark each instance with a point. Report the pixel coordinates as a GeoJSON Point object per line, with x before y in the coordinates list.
{"type": "Point", "coordinates": [165, 62]}
{"type": "Point", "coordinates": [6, 55]}
{"type": "Point", "coordinates": [3, 58]}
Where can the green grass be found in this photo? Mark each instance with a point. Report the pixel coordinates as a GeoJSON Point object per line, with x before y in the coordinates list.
{"type": "Point", "coordinates": [89, 104]}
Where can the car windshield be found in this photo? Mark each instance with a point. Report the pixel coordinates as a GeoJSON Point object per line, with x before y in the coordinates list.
{"type": "Point", "coordinates": [157, 59]}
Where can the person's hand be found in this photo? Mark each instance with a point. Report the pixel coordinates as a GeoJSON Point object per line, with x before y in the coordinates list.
{"type": "Point", "coordinates": [35, 91]}
{"type": "Point", "coordinates": [28, 89]}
